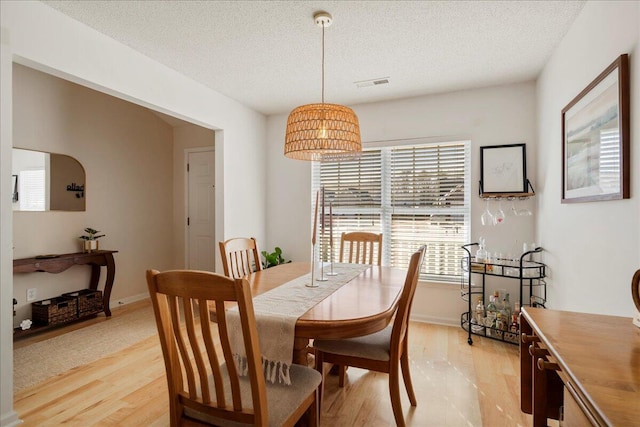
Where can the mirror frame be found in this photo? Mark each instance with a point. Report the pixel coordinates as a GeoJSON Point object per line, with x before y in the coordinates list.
{"type": "Point", "coordinates": [75, 184]}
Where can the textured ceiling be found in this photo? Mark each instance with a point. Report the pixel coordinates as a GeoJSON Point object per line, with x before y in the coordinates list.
{"type": "Point", "coordinates": [267, 54]}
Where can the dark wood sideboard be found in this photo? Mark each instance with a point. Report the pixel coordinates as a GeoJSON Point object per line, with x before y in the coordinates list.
{"type": "Point", "coordinates": [59, 263]}
{"type": "Point", "coordinates": [586, 364]}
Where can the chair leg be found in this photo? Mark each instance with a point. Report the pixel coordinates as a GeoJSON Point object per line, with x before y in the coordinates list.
{"type": "Point", "coordinates": [319, 367]}
{"type": "Point", "coordinates": [342, 369]}
{"type": "Point", "coordinates": [176, 411]}
{"type": "Point", "coordinates": [406, 374]}
{"type": "Point", "coordinates": [314, 410]}
{"type": "Point", "coordinates": [394, 391]}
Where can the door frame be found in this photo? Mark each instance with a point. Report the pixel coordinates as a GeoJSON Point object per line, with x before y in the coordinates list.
{"type": "Point", "coordinates": [188, 151]}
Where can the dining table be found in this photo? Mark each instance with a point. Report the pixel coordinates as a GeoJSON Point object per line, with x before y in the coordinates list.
{"type": "Point", "coordinates": [364, 305]}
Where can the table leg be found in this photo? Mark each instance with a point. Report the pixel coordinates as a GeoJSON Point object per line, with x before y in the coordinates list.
{"type": "Point", "coordinates": [539, 398]}
{"type": "Point", "coordinates": [300, 350]}
{"type": "Point", "coordinates": [108, 285]}
{"type": "Point", "coordinates": [93, 285]}
{"type": "Point", "coordinates": [95, 277]}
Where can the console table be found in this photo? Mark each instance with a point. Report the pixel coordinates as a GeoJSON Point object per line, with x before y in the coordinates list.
{"type": "Point", "coordinates": [588, 364]}
{"type": "Point", "coordinates": [60, 263]}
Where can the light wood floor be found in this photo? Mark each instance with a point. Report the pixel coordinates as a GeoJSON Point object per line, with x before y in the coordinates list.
{"type": "Point", "coordinates": [450, 377]}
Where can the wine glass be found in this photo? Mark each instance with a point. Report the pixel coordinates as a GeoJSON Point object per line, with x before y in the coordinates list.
{"type": "Point", "coordinates": [524, 211]}
{"type": "Point", "coordinates": [498, 217]}
{"type": "Point", "coordinates": [487, 216]}
{"type": "Point", "coordinates": [514, 211]}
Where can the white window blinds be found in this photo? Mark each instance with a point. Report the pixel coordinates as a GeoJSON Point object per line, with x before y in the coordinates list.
{"type": "Point", "coordinates": [32, 190]}
{"type": "Point", "coordinates": [413, 194]}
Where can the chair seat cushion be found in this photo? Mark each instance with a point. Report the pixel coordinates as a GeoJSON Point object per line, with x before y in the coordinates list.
{"type": "Point", "coordinates": [282, 400]}
{"type": "Point", "coordinates": [375, 346]}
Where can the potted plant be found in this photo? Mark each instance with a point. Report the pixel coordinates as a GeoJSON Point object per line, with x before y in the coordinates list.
{"type": "Point", "coordinates": [90, 240]}
{"type": "Point", "coordinates": [273, 259]}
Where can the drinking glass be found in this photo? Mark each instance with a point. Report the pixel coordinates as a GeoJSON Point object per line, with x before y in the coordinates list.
{"type": "Point", "coordinates": [514, 211]}
{"type": "Point", "coordinates": [487, 216]}
{"type": "Point", "coordinates": [499, 215]}
{"type": "Point", "coordinates": [524, 211]}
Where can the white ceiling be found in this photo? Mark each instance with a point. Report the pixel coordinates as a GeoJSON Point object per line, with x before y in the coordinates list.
{"type": "Point", "coordinates": [267, 54]}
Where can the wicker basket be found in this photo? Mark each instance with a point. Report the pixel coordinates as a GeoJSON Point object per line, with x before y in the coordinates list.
{"type": "Point", "coordinates": [54, 311]}
{"type": "Point", "coordinates": [88, 301]}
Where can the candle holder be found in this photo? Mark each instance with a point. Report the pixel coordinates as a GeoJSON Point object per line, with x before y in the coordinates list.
{"type": "Point", "coordinates": [331, 272]}
{"type": "Point", "coordinates": [313, 245]}
{"type": "Point", "coordinates": [323, 277]}
{"type": "Point", "coordinates": [312, 284]}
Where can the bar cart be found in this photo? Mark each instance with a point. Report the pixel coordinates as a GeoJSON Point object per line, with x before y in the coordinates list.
{"type": "Point", "coordinates": [532, 290]}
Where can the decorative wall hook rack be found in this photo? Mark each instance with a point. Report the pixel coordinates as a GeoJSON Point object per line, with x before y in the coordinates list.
{"type": "Point", "coordinates": [515, 195]}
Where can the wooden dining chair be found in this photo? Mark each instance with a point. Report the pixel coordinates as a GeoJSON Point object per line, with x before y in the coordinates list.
{"type": "Point", "coordinates": [240, 256]}
{"type": "Point", "coordinates": [361, 247]}
{"type": "Point", "coordinates": [204, 385]}
{"type": "Point", "coordinates": [382, 351]}
{"type": "Point", "coordinates": [635, 289]}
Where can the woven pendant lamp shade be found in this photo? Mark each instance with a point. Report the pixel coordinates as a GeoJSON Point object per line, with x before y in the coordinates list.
{"type": "Point", "coordinates": [320, 131]}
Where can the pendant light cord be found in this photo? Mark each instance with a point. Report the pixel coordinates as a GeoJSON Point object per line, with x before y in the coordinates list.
{"type": "Point", "coordinates": [323, 63]}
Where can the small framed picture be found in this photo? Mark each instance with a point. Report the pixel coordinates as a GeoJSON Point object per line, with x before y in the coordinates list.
{"type": "Point", "coordinates": [503, 169]}
{"type": "Point", "coordinates": [595, 138]}
{"type": "Point", "coordinates": [14, 186]}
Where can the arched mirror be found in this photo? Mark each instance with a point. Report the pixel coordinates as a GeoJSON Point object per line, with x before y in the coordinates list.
{"type": "Point", "coordinates": [46, 182]}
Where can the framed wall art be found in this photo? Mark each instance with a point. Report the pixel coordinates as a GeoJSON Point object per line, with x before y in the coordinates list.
{"type": "Point", "coordinates": [595, 138]}
{"type": "Point", "coordinates": [14, 186]}
{"type": "Point", "coordinates": [503, 169]}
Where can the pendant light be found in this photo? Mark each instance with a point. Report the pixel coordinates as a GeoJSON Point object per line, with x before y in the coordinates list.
{"type": "Point", "coordinates": [322, 131]}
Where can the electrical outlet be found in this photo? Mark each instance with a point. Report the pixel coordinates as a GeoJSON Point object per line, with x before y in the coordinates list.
{"type": "Point", "coordinates": [32, 294]}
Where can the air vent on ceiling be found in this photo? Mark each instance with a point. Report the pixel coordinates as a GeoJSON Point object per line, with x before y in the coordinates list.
{"type": "Point", "coordinates": [373, 82]}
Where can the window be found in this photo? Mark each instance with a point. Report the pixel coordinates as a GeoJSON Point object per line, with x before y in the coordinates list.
{"type": "Point", "coordinates": [32, 190]}
{"type": "Point", "coordinates": [414, 194]}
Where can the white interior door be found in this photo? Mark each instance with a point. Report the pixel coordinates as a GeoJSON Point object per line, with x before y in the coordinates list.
{"type": "Point", "coordinates": [200, 211]}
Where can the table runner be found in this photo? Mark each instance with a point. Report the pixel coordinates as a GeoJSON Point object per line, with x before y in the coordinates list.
{"type": "Point", "coordinates": [276, 314]}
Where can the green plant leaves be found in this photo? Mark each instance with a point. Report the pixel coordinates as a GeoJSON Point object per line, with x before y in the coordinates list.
{"type": "Point", "coordinates": [273, 259]}
{"type": "Point", "coordinates": [91, 234]}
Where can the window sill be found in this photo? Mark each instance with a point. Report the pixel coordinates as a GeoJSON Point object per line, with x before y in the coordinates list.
{"type": "Point", "coordinates": [429, 284]}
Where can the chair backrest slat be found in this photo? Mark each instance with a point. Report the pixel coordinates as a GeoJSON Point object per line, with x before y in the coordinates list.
{"type": "Point", "coordinates": [361, 247]}
{"type": "Point", "coordinates": [187, 308]}
{"type": "Point", "coordinates": [228, 355]}
{"type": "Point", "coordinates": [182, 345]}
{"type": "Point", "coordinates": [240, 257]}
{"type": "Point", "coordinates": [207, 336]}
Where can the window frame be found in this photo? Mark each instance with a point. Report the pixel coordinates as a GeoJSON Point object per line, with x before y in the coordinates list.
{"type": "Point", "coordinates": [386, 209]}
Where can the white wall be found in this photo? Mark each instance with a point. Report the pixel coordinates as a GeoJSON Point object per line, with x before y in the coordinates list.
{"type": "Point", "coordinates": [593, 248]}
{"type": "Point", "coordinates": [35, 35]}
{"type": "Point", "coordinates": [490, 116]}
{"type": "Point", "coordinates": [126, 152]}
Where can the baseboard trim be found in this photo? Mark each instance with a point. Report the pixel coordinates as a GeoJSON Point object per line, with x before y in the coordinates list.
{"type": "Point", "coordinates": [444, 321]}
{"type": "Point", "coordinates": [10, 419]}
{"type": "Point", "coordinates": [128, 300]}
